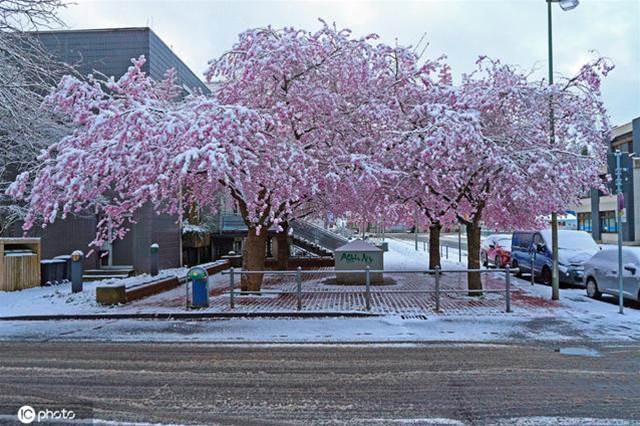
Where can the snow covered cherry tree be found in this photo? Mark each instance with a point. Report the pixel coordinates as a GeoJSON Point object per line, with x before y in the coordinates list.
{"type": "Point", "coordinates": [136, 141]}
{"type": "Point", "coordinates": [517, 173]}
{"type": "Point", "coordinates": [322, 90]}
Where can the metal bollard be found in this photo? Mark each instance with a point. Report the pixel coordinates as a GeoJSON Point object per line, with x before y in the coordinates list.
{"type": "Point", "coordinates": [299, 287]}
{"type": "Point", "coordinates": [367, 294]}
{"type": "Point", "coordinates": [447, 251]}
{"type": "Point", "coordinates": [154, 259]}
{"type": "Point", "coordinates": [186, 294]}
{"type": "Point", "coordinates": [507, 278]}
{"type": "Point", "coordinates": [76, 271]}
{"type": "Point", "coordinates": [232, 285]}
{"type": "Point", "coordinates": [424, 245]}
{"type": "Point", "coordinates": [437, 289]}
{"type": "Point", "coordinates": [533, 273]}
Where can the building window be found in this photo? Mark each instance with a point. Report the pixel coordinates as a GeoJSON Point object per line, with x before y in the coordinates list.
{"type": "Point", "coordinates": [608, 222]}
{"type": "Point", "coordinates": [584, 221]}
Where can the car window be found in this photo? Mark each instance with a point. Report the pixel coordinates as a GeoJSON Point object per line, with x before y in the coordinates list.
{"type": "Point", "coordinates": [606, 256]}
{"type": "Point", "coordinates": [537, 239]}
{"type": "Point", "coordinates": [522, 239]}
{"type": "Point", "coordinates": [505, 243]}
{"type": "Point", "coordinates": [628, 257]}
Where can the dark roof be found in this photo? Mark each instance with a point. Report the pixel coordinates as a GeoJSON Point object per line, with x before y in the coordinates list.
{"type": "Point", "coordinates": [110, 50]}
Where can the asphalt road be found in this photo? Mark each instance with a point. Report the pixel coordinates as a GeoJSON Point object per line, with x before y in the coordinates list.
{"type": "Point", "coordinates": [217, 384]}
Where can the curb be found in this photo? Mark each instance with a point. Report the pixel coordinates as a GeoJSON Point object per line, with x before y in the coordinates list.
{"type": "Point", "coordinates": [191, 315]}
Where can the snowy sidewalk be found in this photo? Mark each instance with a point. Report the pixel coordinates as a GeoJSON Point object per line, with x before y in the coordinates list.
{"type": "Point", "coordinates": [402, 317]}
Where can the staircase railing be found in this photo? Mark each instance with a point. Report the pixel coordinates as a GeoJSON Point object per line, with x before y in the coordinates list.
{"type": "Point", "coordinates": [317, 235]}
{"type": "Point", "coordinates": [231, 222]}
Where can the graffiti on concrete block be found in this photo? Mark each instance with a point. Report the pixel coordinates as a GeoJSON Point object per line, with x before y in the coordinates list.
{"type": "Point", "coordinates": [356, 258]}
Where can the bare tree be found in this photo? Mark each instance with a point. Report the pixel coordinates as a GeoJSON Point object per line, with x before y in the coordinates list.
{"type": "Point", "coordinates": [27, 73]}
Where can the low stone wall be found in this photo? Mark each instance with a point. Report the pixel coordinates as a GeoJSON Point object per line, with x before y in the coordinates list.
{"type": "Point", "coordinates": [120, 293]}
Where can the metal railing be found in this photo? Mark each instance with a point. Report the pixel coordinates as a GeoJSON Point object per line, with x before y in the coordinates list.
{"type": "Point", "coordinates": [437, 273]}
{"type": "Point", "coordinates": [233, 222]}
{"type": "Point", "coordinates": [317, 235]}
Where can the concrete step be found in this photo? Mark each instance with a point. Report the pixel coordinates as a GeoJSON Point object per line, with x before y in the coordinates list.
{"type": "Point", "coordinates": [88, 278]}
{"type": "Point", "coordinates": [117, 267]}
{"type": "Point", "coordinates": [110, 271]}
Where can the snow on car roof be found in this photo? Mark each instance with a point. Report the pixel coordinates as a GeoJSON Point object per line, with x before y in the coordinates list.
{"type": "Point", "coordinates": [568, 238]}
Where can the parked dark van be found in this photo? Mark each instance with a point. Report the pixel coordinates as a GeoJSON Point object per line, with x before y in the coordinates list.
{"type": "Point", "coordinates": [574, 249]}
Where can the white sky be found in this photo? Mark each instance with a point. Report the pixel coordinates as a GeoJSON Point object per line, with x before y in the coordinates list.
{"type": "Point", "coordinates": [514, 31]}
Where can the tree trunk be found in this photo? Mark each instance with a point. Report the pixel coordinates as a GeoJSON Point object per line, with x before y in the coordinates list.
{"type": "Point", "coordinates": [434, 245]}
{"type": "Point", "coordinates": [283, 247]}
{"type": "Point", "coordinates": [473, 258]}
{"type": "Point", "coordinates": [253, 259]}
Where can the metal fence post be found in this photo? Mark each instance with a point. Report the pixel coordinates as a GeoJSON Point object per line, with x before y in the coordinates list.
{"type": "Point", "coordinates": [459, 245]}
{"type": "Point", "coordinates": [299, 287]}
{"type": "Point", "coordinates": [231, 288]}
{"type": "Point", "coordinates": [437, 289]}
{"type": "Point", "coordinates": [507, 278]}
{"type": "Point", "coordinates": [533, 273]}
{"type": "Point", "coordinates": [367, 294]}
{"type": "Point", "coordinates": [186, 293]}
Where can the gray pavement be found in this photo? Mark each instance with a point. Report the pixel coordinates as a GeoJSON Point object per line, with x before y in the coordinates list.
{"type": "Point", "coordinates": [331, 384]}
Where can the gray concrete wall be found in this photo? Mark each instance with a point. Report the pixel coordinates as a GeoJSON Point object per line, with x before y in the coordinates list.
{"type": "Point", "coordinates": [110, 52]}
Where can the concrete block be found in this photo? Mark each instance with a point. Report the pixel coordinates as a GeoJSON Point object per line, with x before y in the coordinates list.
{"type": "Point", "coordinates": [111, 295]}
{"type": "Point", "coordinates": [358, 255]}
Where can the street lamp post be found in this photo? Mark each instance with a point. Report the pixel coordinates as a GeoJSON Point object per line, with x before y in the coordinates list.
{"type": "Point", "coordinates": [555, 278]}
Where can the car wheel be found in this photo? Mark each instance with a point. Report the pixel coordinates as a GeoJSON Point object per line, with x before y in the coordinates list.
{"type": "Point", "coordinates": [498, 262]}
{"type": "Point", "coordinates": [484, 260]}
{"type": "Point", "coordinates": [592, 289]}
{"type": "Point", "coordinates": [514, 265]}
{"type": "Point", "coordinates": [545, 275]}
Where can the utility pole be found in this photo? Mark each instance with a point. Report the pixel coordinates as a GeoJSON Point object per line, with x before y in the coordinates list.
{"type": "Point", "coordinates": [619, 209]}
{"type": "Point", "coordinates": [555, 281]}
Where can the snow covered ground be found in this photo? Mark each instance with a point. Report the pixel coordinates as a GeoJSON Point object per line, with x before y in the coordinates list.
{"type": "Point", "coordinates": [576, 317]}
{"type": "Point", "coordinates": [59, 299]}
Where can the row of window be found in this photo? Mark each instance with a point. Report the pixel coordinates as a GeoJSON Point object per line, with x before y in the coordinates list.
{"type": "Point", "coordinates": [607, 222]}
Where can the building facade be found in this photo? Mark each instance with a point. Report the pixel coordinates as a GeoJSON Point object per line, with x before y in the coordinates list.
{"type": "Point", "coordinates": [596, 212]}
{"type": "Point", "coordinates": [109, 52]}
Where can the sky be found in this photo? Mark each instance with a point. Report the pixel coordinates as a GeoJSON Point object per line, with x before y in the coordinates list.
{"type": "Point", "coordinates": [514, 31]}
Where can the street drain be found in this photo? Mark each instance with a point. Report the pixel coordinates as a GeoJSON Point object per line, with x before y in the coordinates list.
{"type": "Point", "coordinates": [418, 317]}
{"type": "Point", "coordinates": [577, 351]}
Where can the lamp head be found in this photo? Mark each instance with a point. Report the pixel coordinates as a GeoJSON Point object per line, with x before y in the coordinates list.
{"type": "Point", "coordinates": [568, 4]}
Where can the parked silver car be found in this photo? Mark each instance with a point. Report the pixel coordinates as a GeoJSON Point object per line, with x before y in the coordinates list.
{"type": "Point", "coordinates": [601, 273]}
